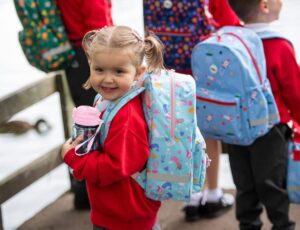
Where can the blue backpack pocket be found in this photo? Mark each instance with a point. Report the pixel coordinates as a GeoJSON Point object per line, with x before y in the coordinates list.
{"type": "Point", "coordinates": [219, 112]}
{"type": "Point", "coordinates": [272, 108]}
{"type": "Point", "coordinates": [258, 115]}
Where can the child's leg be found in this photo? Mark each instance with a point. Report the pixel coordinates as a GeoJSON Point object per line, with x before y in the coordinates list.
{"type": "Point", "coordinates": [248, 207]}
{"type": "Point", "coordinates": [214, 202]}
{"type": "Point", "coordinates": [211, 202]}
{"type": "Point", "coordinates": [269, 161]}
{"type": "Point", "coordinates": [214, 150]}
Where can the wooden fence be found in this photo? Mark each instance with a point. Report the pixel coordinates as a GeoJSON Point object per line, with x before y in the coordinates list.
{"type": "Point", "coordinates": [18, 101]}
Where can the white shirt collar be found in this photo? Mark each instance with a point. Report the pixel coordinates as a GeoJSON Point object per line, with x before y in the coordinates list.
{"type": "Point", "coordinates": [259, 27]}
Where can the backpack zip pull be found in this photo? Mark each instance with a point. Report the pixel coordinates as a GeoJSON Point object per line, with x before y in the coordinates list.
{"type": "Point", "coordinates": [219, 39]}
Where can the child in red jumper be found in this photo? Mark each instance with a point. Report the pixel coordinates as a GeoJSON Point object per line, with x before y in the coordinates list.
{"type": "Point", "coordinates": [212, 201]}
{"type": "Point", "coordinates": [259, 170]}
{"type": "Point", "coordinates": [116, 56]}
{"type": "Point", "coordinates": [79, 17]}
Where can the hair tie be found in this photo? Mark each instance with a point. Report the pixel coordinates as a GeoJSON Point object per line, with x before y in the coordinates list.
{"type": "Point", "coordinates": [138, 37]}
{"type": "Point", "coordinates": [96, 31]}
{"type": "Point", "coordinates": [91, 38]}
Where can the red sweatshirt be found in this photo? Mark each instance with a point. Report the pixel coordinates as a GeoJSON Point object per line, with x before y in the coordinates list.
{"type": "Point", "coordinates": [284, 75]}
{"type": "Point", "coordinates": [81, 16]}
{"type": "Point", "coordinates": [222, 13]}
{"type": "Point", "coordinates": [117, 201]}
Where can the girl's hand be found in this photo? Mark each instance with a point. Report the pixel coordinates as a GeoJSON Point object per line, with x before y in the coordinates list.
{"type": "Point", "coordinates": [69, 144]}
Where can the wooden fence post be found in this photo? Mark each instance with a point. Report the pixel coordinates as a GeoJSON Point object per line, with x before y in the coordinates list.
{"type": "Point", "coordinates": [20, 100]}
{"type": "Point", "coordinates": [66, 102]}
{"type": "Point", "coordinates": [1, 223]}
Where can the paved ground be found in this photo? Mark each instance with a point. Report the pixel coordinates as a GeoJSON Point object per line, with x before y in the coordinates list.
{"type": "Point", "coordinates": [61, 216]}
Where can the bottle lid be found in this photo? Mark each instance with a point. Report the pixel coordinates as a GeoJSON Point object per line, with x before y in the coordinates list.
{"type": "Point", "coordinates": [86, 116]}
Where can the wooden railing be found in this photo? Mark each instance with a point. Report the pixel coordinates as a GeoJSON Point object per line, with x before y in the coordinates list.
{"type": "Point", "coordinates": [18, 101]}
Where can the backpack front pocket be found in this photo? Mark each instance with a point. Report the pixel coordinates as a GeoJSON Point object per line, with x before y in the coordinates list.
{"type": "Point", "coordinates": [218, 115]}
{"type": "Point", "coordinates": [257, 112]}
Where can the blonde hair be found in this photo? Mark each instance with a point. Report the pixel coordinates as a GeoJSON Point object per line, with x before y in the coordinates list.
{"type": "Point", "coordinates": [149, 49]}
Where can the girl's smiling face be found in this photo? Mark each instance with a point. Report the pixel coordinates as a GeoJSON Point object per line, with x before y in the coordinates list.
{"type": "Point", "coordinates": [113, 72]}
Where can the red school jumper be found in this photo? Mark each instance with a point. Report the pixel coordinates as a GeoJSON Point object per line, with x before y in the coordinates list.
{"type": "Point", "coordinates": [117, 200]}
{"type": "Point", "coordinates": [81, 16]}
{"type": "Point", "coordinates": [284, 75]}
{"type": "Point", "coordinates": [222, 13]}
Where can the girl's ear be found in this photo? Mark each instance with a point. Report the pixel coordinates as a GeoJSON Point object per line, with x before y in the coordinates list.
{"type": "Point", "coordinates": [139, 72]}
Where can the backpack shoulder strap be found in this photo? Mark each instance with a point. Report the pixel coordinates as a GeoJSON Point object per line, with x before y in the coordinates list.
{"type": "Point", "coordinates": [113, 109]}
{"type": "Point", "coordinates": [96, 99]}
{"type": "Point", "coordinates": [270, 34]}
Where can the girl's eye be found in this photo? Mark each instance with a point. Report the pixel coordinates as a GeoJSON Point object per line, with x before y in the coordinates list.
{"type": "Point", "coordinates": [119, 71]}
{"type": "Point", "coordinates": [99, 70]}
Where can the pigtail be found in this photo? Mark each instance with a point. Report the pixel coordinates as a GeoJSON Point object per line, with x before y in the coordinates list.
{"type": "Point", "coordinates": [153, 53]}
{"type": "Point", "coordinates": [87, 42]}
{"type": "Point", "coordinates": [86, 45]}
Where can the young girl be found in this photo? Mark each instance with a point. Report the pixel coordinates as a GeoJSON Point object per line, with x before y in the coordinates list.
{"type": "Point", "coordinates": [116, 57]}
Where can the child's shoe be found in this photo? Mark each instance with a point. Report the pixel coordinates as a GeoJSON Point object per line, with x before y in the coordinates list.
{"type": "Point", "coordinates": [207, 208]}
{"type": "Point", "coordinates": [214, 209]}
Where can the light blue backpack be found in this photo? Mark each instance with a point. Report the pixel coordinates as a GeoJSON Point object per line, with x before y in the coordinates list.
{"type": "Point", "coordinates": [177, 163]}
{"type": "Point", "coordinates": [234, 99]}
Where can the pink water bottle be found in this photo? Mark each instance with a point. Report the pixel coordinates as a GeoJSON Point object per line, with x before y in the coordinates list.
{"type": "Point", "coordinates": [86, 120]}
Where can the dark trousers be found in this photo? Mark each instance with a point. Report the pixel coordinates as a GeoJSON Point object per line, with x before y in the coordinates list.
{"type": "Point", "coordinates": [259, 173]}
{"type": "Point", "coordinates": [98, 228]}
{"type": "Point", "coordinates": [77, 74]}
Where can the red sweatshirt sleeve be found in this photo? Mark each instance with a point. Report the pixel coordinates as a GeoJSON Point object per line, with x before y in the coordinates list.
{"type": "Point", "coordinates": [290, 80]}
{"type": "Point", "coordinates": [96, 14]}
{"type": "Point", "coordinates": [284, 75]}
{"type": "Point", "coordinates": [126, 150]}
{"type": "Point", "coordinates": [222, 13]}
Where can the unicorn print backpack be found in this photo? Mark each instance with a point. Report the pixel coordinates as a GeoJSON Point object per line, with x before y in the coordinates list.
{"type": "Point", "coordinates": [234, 99]}
{"type": "Point", "coordinates": [176, 166]}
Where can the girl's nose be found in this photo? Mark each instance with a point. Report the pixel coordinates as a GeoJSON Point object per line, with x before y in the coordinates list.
{"type": "Point", "coordinates": [108, 78]}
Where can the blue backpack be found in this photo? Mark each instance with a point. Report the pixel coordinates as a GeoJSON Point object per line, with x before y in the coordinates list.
{"type": "Point", "coordinates": [179, 24]}
{"type": "Point", "coordinates": [176, 166]}
{"type": "Point", "coordinates": [234, 99]}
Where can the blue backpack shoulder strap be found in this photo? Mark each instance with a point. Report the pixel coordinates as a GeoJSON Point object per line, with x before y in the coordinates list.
{"type": "Point", "coordinates": [113, 109]}
{"type": "Point", "coordinates": [96, 99]}
{"type": "Point", "coordinates": [268, 34]}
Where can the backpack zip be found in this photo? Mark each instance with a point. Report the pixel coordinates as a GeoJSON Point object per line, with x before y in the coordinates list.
{"type": "Point", "coordinates": [216, 101]}
{"type": "Point", "coordinates": [173, 106]}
